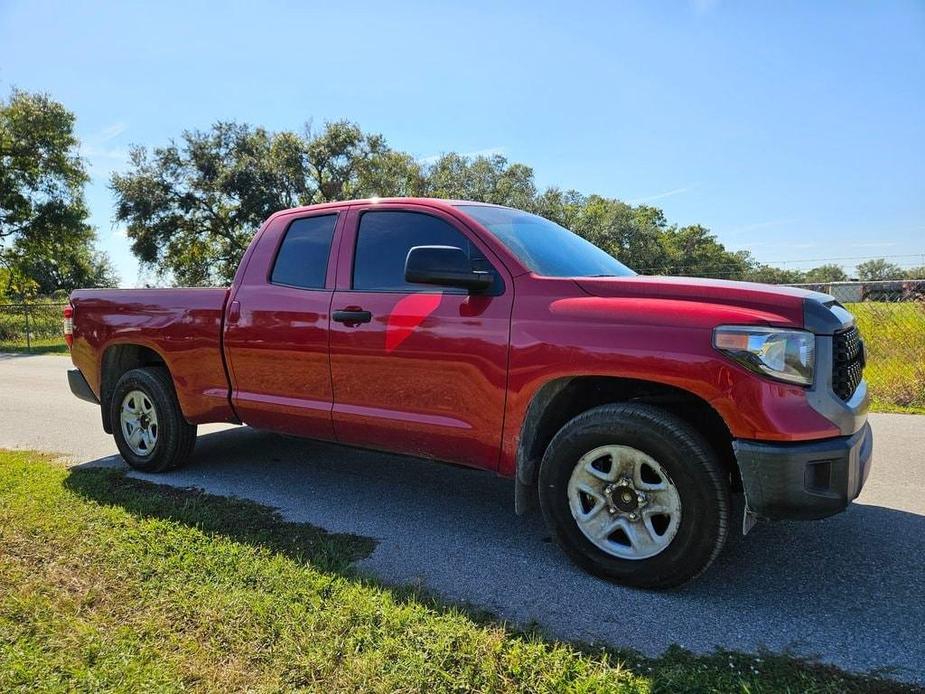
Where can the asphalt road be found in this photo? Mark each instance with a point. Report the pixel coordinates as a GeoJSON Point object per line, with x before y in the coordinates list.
{"type": "Point", "coordinates": [849, 590]}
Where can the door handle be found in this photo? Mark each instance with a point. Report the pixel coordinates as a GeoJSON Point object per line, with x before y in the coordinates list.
{"type": "Point", "coordinates": [352, 315]}
{"type": "Point", "coordinates": [234, 312]}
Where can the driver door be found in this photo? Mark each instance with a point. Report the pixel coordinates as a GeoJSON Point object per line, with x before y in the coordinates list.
{"type": "Point", "coordinates": [417, 369]}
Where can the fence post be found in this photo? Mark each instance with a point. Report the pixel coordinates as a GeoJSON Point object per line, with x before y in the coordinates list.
{"type": "Point", "coordinates": [28, 335]}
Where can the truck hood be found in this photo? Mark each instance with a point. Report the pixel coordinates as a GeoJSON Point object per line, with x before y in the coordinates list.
{"type": "Point", "coordinates": [768, 303]}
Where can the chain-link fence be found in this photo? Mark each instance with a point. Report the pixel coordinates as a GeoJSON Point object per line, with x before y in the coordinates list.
{"type": "Point", "coordinates": [34, 326]}
{"type": "Point", "coordinates": [891, 318]}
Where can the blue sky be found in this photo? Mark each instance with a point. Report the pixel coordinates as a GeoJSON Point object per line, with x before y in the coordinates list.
{"type": "Point", "coordinates": [794, 130]}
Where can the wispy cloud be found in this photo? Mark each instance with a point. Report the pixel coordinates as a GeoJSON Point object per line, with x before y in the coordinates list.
{"type": "Point", "coordinates": [663, 195]}
{"type": "Point", "coordinates": [101, 153]}
{"type": "Point", "coordinates": [109, 132]}
{"type": "Point", "coordinates": [487, 152]}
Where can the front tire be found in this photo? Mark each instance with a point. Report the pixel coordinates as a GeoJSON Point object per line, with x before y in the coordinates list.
{"type": "Point", "coordinates": [147, 423]}
{"type": "Point", "coordinates": [635, 495]}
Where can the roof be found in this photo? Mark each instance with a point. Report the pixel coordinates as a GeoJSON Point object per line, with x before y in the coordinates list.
{"type": "Point", "coordinates": [425, 202]}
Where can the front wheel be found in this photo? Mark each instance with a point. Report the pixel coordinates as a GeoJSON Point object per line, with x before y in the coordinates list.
{"type": "Point", "coordinates": [147, 423]}
{"type": "Point", "coordinates": [635, 495]}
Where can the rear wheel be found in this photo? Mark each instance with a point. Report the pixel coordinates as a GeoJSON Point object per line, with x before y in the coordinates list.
{"type": "Point", "coordinates": [635, 495]}
{"type": "Point", "coordinates": [147, 423]}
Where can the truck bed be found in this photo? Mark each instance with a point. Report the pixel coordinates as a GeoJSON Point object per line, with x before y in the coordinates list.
{"type": "Point", "coordinates": [183, 327]}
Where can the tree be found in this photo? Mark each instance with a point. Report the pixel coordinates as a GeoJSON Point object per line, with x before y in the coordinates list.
{"type": "Point", "coordinates": [46, 243]}
{"type": "Point", "coordinates": [879, 269]}
{"type": "Point", "coordinates": [633, 235]}
{"type": "Point", "coordinates": [693, 250]}
{"type": "Point", "coordinates": [192, 207]}
{"type": "Point", "coordinates": [343, 162]}
{"type": "Point", "coordinates": [915, 273]}
{"type": "Point", "coordinates": [825, 273]}
{"type": "Point", "coordinates": [483, 179]}
{"type": "Point", "coordinates": [562, 207]}
{"type": "Point", "coordinates": [391, 174]}
{"type": "Point", "coordinates": [641, 237]}
{"type": "Point", "coordinates": [774, 275]}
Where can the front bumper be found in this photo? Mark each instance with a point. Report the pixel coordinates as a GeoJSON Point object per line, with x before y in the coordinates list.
{"type": "Point", "coordinates": [80, 387]}
{"type": "Point", "coordinates": [804, 481]}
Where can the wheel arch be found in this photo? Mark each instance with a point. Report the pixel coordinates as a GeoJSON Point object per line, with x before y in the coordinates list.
{"type": "Point", "coordinates": [116, 360]}
{"type": "Point", "coordinates": [560, 400]}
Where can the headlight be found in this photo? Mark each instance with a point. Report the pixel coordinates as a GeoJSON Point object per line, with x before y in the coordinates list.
{"type": "Point", "coordinates": [787, 355]}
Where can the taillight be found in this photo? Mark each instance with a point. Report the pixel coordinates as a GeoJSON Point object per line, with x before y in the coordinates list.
{"type": "Point", "coordinates": [69, 325]}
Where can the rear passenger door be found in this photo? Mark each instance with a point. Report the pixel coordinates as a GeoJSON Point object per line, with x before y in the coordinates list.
{"type": "Point", "coordinates": [423, 370]}
{"type": "Point", "coordinates": [276, 336]}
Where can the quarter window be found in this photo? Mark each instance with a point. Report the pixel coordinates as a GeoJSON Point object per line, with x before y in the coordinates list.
{"type": "Point", "coordinates": [384, 239]}
{"type": "Point", "coordinates": [302, 260]}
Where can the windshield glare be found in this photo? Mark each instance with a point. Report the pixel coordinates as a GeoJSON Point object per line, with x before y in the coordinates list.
{"type": "Point", "coordinates": [545, 247]}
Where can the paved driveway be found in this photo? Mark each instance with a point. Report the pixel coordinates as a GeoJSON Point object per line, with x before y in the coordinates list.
{"type": "Point", "coordinates": [849, 589]}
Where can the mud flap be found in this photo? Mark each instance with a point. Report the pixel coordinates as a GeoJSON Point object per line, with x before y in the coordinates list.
{"type": "Point", "coordinates": [749, 519]}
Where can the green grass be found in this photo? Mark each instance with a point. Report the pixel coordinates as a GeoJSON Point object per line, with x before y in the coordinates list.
{"type": "Point", "coordinates": [110, 583]}
{"type": "Point", "coordinates": [894, 334]}
{"type": "Point", "coordinates": [48, 345]}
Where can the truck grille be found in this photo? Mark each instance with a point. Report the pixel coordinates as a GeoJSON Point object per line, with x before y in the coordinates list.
{"type": "Point", "coordinates": [847, 362]}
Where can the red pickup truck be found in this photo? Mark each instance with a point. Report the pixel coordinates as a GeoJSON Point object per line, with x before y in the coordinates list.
{"type": "Point", "coordinates": [632, 410]}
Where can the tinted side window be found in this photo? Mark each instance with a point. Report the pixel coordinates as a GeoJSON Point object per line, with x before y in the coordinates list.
{"type": "Point", "coordinates": [384, 239]}
{"type": "Point", "coordinates": [303, 257]}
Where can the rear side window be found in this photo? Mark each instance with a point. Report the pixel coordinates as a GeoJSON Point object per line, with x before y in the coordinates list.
{"type": "Point", "coordinates": [302, 260]}
{"type": "Point", "coordinates": [384, 239]}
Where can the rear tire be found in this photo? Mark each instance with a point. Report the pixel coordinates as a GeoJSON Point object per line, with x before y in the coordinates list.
{"type": "Point", "coordinates": [147, 423]}
{"type": "Point", "coordinates": [648, 475]}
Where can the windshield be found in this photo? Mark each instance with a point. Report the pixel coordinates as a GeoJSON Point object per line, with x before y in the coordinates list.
{"type": "Point", "coordinates": [545, 247]}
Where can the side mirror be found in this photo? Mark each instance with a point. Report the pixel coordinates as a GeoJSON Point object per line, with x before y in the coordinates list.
{"type": "Point", "coordinates": [446, 266]}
